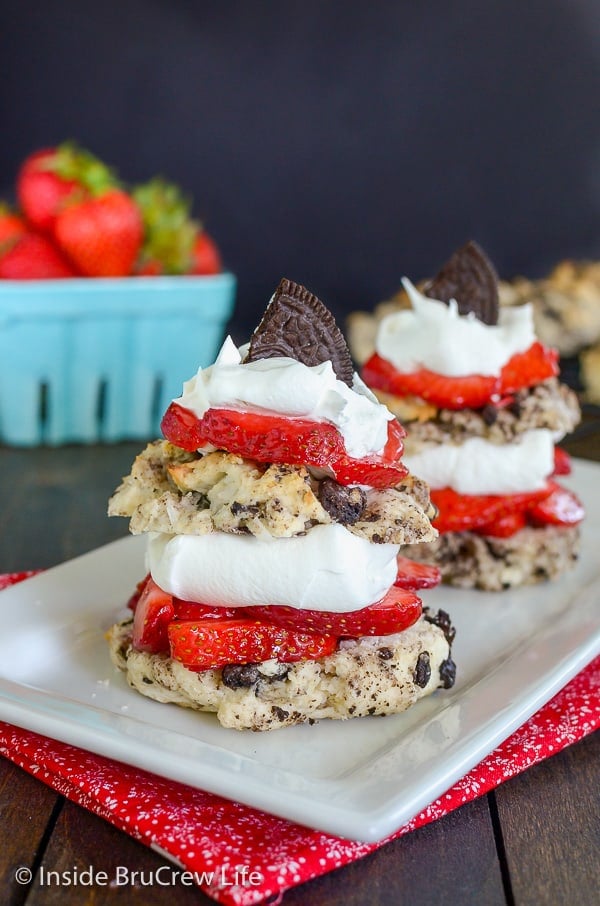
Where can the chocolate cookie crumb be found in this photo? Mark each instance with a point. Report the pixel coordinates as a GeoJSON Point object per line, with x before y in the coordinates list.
{"type": "Point", "coordinates": [441, 619]}
{"type": "Point", "coordinates": [385, 653]}
{"type": "Point", "coordinates": [515, 408]}
{"type": "Point", "coordinates": [239, 509]}
{"type": "Point", "coordinates": [422, 673]}
{"type": "Point", "coordinates": [236, 676]}
{"type": "Point", "coordinates": [489, 414]}
{"type": "Point", "coordinates": [448, 673]}
{"type": "Point", "coordinates": [344, 505]}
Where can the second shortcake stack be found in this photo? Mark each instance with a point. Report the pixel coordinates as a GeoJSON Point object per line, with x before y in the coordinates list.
{"type": "Point", "coordinates": [483, 409]}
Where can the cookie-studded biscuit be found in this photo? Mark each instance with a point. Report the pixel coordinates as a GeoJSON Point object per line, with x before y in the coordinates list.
{"type": "Point", "coordinates": [225, 492]}
{"type": "Point", "coordinates": [532, 555]}
{"type": "Point", "coordinates": [550, 405]}
{"type": "Point", "coordinates": [378, 675]}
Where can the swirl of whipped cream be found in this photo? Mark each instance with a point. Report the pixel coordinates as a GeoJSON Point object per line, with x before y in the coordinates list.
{"type": "Point", "coordinates": [286, 387]}
{"type": "Point", "coordinates": [435, 336]}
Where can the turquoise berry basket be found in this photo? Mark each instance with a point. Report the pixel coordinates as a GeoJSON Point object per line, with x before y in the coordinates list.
{"type": "Point", "coordinates": [99, 359]}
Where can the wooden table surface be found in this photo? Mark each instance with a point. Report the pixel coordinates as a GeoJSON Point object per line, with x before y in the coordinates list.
{"type": "Point", "coordinates": [535, 840]}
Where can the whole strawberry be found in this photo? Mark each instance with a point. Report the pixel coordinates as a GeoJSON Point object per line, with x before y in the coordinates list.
{"type": "Point", "coordinates": [11, 227]}
{"type": "Point", "coordinates": [101, 234]}
{"type": "Point", "coordinates": [48, 178]}
{"type": "Point", "coordinates": [33, 257]}
{"type": "Point", "coordinates": [205, 256]}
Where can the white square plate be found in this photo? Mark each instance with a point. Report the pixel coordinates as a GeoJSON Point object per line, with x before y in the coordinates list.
{"type": "Point", "coordinates": [361, 778]}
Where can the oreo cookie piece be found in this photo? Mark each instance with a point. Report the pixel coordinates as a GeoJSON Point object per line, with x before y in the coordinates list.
{"type": "Point", "coordinates": [470, 278]}
{"type": "Point", "coordinates": [345, 505]}
{"type": "Point", "coordinates": [297, 324]}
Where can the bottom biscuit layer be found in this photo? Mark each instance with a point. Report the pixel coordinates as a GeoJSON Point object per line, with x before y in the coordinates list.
{"type": "Point", "coordinates": [531, 555]}
{"type": "Point", "coordinates": [379, 675]}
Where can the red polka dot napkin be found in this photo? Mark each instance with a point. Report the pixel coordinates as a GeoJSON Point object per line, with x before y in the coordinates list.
{"type": "Point", "coordinates": [239, 855]}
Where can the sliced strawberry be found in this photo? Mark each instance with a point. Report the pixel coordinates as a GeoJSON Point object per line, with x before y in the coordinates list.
{"type": "Point", "coordinates": [153, 613]}
{"type": "Point", "coordinates": [207, 644]}
{"type": "Point", "coordinates": [397, 610]}
{"type": "Point", "coordinates": [8, 579]}
{"type": "Point", "coordinates": [296, 441]}
{"type": "Point", "coordinates": [505, 526]}
{"type": "Point", "coordinates": [524, 369]}
{"type": "Point", "coordinates": [181, 427]}
{"type": "Point", "coordinates": [472, 391]}
{"type": "Point", "coordinates": [562, 462]}
{"type": "Point", "coordinates": [413, 575]}
{"type": "Point", "coordinates": [471, 512]}
{"type": "Point", "coordinates": [137, 594]}
{"type": "Point", "coordinates": [561, 507]}
{"type": "Point", "coordinates": [188, 610]}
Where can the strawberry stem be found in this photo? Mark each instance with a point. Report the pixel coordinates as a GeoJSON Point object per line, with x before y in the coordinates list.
{"type": "Point", "coordinates": [71, 162]}
{"type": "Point", "coordinates": [169, 231]}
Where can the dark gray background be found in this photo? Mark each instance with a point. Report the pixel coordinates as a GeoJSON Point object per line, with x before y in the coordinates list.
{"type": "Point", "coordinates": [340, 144]}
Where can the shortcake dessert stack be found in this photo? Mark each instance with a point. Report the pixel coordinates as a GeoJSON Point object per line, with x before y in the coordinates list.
{"type": "Point", "coordinates": [483, 409]}
{"type": "Point", "coordinates": [275, 511]}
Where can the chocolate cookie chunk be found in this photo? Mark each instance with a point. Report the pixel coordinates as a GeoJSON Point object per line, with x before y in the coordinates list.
{"type": "Point", "coordinates": [298, 325]}
{"type": "Point", "coordinates": [344, 505]}
{"type": "Point", "coordinates": [422, 673]}
{"type": "Point", "coordinates": [470, 278]}
{"type": "Point", "coordinates": [447, 673]}
{"type": "Point", "coordinates": [442, 620]}
{"type": "Point", "coordinates": [237, 676]}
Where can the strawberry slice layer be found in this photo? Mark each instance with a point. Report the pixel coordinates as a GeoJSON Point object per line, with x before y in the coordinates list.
{"type": "Point", "coordinates": [413, 576]}
{"type": "Point", "coordinates": [188, 610]}
{"type": "Point", "coordinates": [209, 644]}
{"type": "Point", "coordinates": [503, 515]}
{"type": "Point", "coordinates": [470, 512]}
{"type": "Point", "coordinates": [524, 369]}
{"type": "Point", "coordinates": [296, 441]}
{"type": "Point", "coordinates": [397, 610]}
{"type": "Point", "coordinates": [204, 636]}
{"type": "Point", "coordinates": [154, 611]}
{"type": "Point", "coordinates": [561, 507]}
{"type": "Point", "coordinates": [505, 526]}
{"type": "Point", "coordinates": [472, 392]}
{"type": "Point", "coordinates": [562, 462]}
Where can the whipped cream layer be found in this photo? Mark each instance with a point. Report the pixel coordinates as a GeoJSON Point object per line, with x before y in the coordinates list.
{"type": "Point", "coordinates": [480, 467]}
{"type": "Point", "coordinates": [327, 569]}
{"type": "Point", "coordinates": [286, 387]}
{"type": "Point", "coordinates": [435, 336]}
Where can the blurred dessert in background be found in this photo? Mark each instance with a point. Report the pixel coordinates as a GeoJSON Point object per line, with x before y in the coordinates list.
{"type": "Point", "coordinates": [479, 397]}
{"type": "Point", "coordinates": [566, 316]}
